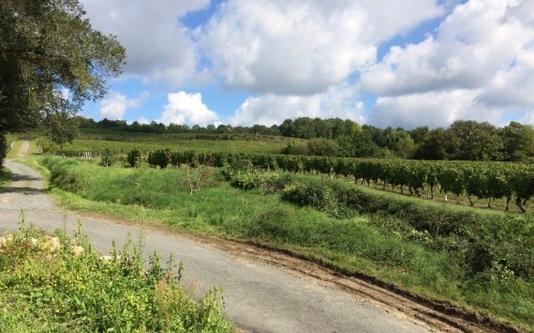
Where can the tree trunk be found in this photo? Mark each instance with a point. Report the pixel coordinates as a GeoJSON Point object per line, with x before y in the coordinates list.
{"type": "Point", "coordinates": [520, 205]}
{"type": "Point", "coordinates": [471, 203]}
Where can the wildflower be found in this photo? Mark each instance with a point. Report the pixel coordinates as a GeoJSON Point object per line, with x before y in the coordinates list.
{"type": "Point", "coordinates": [76, 250]}
{"type": "Point", "coordinates": [51, 244]}
{"type": "Point", "coordinates": [106, 259]}
{"type": "Point", "coordinates": [4, 240]}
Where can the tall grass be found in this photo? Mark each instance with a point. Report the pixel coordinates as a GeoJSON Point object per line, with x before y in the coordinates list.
{"type": "Point", "coordinates": [379, 243]}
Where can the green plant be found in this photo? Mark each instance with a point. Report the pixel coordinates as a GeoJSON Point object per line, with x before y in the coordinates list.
{"type": "Point", "coordinates": [61, 284]}
{"type": "Point", "coordinates": [107, 158]}
{"type": "Point", "coordinates": [134, 158]}
{"type": "Point", "coordinates": [160, 157]}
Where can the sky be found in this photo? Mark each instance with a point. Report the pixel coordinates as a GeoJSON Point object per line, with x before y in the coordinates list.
{"type": "Point", "coordinates": [381, 62]}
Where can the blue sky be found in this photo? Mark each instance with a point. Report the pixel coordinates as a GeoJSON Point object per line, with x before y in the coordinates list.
{"type": "Point", "coordinates": [244, 62]}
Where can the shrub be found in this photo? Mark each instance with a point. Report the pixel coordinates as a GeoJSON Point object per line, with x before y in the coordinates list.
{"type": "Point", "coordinates": [160, 157]}
{"type": "Point", "coordinates": [134, 158]}
{"type": "Point", "coordinates": [107, 158]}
{"type": "Point", "coordinates": [293, 148]}
{"type": "Point", "coordinates": [323, 147]}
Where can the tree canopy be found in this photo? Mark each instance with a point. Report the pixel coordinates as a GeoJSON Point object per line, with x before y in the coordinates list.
{"type": "Point", "coordinates": [51, 60]}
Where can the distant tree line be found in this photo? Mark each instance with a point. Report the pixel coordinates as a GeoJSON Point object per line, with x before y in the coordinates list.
{"type": "Point", "coordinates": [463, 140]}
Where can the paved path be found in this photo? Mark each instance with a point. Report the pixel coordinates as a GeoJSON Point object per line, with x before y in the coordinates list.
{"type": "Point", "coordinates": [258, 297]}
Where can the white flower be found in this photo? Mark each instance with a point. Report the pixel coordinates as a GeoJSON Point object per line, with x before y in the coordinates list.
{"type": "Point", "coordinates": [106, 259]}
{"type": "Point", "coordinates": [51, 244]}
{"type": "Point", "coordinates": [76, 250]}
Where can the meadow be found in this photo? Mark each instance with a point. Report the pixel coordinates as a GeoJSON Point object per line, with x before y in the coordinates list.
{"type": "Point", "coordinates": [479, 259]}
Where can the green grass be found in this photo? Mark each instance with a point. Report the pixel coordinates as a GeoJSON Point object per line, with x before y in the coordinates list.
{"type": "Point", "coordinates": [5, 177]}
{"type": "Point", "coordinates": [57, 284]}
{"type": "Point", "coordinates": [381, 245]}
{"type": "Point", "coordinates": [96, 141]}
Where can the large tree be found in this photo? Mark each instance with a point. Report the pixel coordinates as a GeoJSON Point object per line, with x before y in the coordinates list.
{"type": "Point", "coordinates": [51, 60]}
{"type": "Point", "coordinates": [518, 141]}
{"type": "Point", "coordinates": [477, 141]}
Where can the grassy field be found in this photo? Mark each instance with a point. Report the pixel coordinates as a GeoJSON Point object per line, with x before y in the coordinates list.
{"type": "Point", "coordinates": [96, 141]}
{"type": "Point", "coordinates": [477, 259]}
{"type": "Point", "coordinates": [56, 284]}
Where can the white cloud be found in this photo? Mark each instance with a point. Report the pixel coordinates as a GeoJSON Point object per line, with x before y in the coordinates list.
{"type": "Point", "coordinates": [302, 47]}
{"type": "Point", "coordinates": [157, 45]}
{"type": "Point", "coordinates": [273, 109]}
{"type": "Point", "coordinates": [433, 109]}
{"type": "Point", "coordinates": [513, 86]}
{"type": "Point", "coordinates": [479, 64]}
{"type": "Point", "coordinates": [528, 118]}
{"type": "Point", "coordinates": [115, 105]}
{"type": "Point", "coordinates": [143, 121]}
{"type": "Point", "coordinates": [185, 108]}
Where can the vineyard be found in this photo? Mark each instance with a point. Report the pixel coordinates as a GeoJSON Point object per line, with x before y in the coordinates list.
{"type": "Point", "coordinates": [511, 182]}
{"type": "Point", "coordinates": [446, 252]}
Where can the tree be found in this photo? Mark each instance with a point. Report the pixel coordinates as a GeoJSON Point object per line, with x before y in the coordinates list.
{"type": "Point", "coordinates": [477, 141]}
{"type": "Point", "coordinates": [400, 142]}
{"type": "Point", "coordinates": [322, 147]}
{"type": "Point", "coordinates": [61, 127]}
{"type": "Point", "coordinates": [439, 144]}
{"type": "Point", "coordinates": [518, 142]}
{"type": "Point", "coordinates": [51, 60]}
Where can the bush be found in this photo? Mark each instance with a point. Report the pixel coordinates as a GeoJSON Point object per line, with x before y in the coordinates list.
{"type": "Point", "coordinates": [322, 147]}
{"type": "Point", "coordinates": [107, 158]}
{"type": "Point", "coordinates": [293, 148]}
{"type": "Point", "coordinates": [134, 158]}
{"type": "Point", "coordinates": [160, 157]}
{"type": "Point", "coordinates": [57, 284]}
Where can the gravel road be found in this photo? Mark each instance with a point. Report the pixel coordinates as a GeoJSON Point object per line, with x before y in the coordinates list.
{"type": "Point", "coordinates": [258, 297]}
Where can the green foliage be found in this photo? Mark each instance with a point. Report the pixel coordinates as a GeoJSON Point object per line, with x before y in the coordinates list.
{"type": "Point", "coordinates": [57, 284]}
{"type": "Point", "coordinates": [48, 47]}
{"type": "Point", "coordinates": [471, 231]}
{"type": "Point", "coordinates": [107, 157]}
{"type": "Point", "coordinates": [474, 257]}
{"type": "Point", "coordinates": [477, 141]}
{"type": "Point", "coordinates": [483, 179]}
{"type": "Point", "coordinates": [3, 149]}
{"type": "Point", "coordinates": [61, 128]}
{"type": "Point", "coordinates": [134, 158]}
{"type": "Point", "coordinates": [322, 147]}
{"type": "Point", "coordinates": [518, 141]}
{"type": "Point", "coordinates": [160, 157]}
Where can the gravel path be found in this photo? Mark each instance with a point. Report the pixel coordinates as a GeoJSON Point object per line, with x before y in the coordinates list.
{"type": "Point", "coordinates": [259, 297]}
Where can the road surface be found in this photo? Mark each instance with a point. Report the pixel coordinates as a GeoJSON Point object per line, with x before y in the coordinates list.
{"type": "Point", "coordinates": [259, 297]}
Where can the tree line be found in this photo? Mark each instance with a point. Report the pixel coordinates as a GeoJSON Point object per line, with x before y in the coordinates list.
{"type": "Point", "coordinates": [463, 140]}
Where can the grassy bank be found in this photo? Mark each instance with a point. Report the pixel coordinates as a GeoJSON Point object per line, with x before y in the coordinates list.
{"type": "Point", "coordinates": [387, 242]}
{"type": "Point", "coordinates": [5, 177]}
{"type": "Point", "coordinates": [57, 284]}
